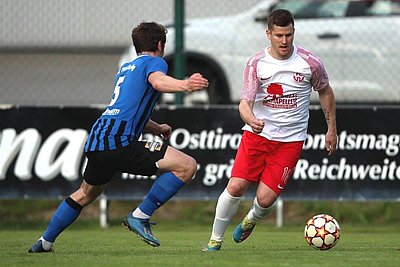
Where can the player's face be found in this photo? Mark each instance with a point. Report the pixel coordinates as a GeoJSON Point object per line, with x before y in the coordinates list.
{"type": "Point", "coordinates": [281, 39]}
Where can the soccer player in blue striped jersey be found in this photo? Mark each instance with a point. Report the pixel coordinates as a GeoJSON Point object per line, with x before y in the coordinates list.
{"type": "Point", "coordinates": [113, 143]}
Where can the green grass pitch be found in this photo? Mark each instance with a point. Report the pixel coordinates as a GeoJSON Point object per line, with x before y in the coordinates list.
{"type": "Point", "coordinates": [181, 246]}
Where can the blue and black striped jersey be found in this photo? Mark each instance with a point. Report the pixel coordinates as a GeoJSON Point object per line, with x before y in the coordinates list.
{"type": "Point", "coordinates": [131, 105]}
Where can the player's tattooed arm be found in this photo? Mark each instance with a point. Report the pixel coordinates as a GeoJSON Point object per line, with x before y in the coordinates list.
{"type": "Point", "coordinates": [328, 104]}
{"type": "Point", "coordinates": [327, 116]}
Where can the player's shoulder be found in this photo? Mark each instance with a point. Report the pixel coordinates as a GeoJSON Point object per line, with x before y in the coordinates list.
{"type": "Point", "coordinates": [127, 66]}
{"type": "Point", "coordinates": [256, 57]}
{"type": "Point", "coordinates": [144, 59]}
{"type": "Point", "coordinates": [157, 61]}
{"type": "Point", "coordinates": [312, 59]}
{"type": "Point", "coordinates": [306, 54]}
{"type": "Point", "coordinates": [151, 63]}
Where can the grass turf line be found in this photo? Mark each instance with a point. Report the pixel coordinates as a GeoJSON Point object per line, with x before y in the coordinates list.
{"type": "Point", "coordinates": [181, 246]}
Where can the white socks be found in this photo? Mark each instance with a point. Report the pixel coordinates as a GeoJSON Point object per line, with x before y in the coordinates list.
{"type": "Point", "coordinates": [227, 207]}
{"type": "Point", "coordinates": [46, 244]}
{"type": "Point", "coordinates": [257, 212]}
{"type": "Point", "coordinates": [138, 213]}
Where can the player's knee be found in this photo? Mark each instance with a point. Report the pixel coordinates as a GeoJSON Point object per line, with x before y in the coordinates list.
{"type": "Point", "coordinates": [86, 194]}
{"type": "Point", "coordinates": [189, 167]}
{"type": "Point", "coordinates": [266, 201]}
{"type": "Point", "coordinates": [235, 189]}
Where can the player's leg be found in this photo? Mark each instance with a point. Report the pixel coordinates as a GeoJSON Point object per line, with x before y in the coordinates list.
{"type": "Point", "coordinates": [178, 168]}
{"type": "Point", "coordinates": [246, 169]}
{"type": "Point", "coordinates": [66, 213]}
{"type": "Point", "coordinates": [246, 227]}
{"type": "Point", "coordinates": [96, 177]}
{"type": "Point", "coordinates": [281, 161]}
{"type": "Point", "coordinates": [263, 202]}
{"type": "Point", "coordinates": [227, 206]}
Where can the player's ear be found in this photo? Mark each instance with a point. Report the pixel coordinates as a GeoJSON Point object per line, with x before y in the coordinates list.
{"type": "Point", "coordinates": [160, 48]}
{"type": "Point", "coordinates": [268, 32]}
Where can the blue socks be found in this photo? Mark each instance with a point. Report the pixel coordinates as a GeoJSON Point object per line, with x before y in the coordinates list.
{"type": "Point", "coordinates": [164, 188]}
{"type": "Point", "coordinates": [64, 216]}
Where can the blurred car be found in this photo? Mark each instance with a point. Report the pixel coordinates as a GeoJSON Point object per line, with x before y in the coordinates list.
{"type": "Point", "coordinates": [356, 40]}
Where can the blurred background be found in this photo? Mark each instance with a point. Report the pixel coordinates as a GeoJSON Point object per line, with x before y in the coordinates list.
{"type": "Point", "coordinates": [67, 52]}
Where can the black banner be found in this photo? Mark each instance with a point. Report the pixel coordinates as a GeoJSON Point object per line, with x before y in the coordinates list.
{"type": "Point", "coordinates": [41, 153]}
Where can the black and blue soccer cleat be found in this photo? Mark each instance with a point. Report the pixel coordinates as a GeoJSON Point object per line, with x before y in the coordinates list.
{"type": "Point", "coordinates": [142, 228]}
{"type": "Point", "coordinates": [38, 248]}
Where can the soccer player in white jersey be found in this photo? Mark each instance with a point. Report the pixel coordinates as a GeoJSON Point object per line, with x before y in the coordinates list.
{"type": "Point", "coordinates": [278, 81]}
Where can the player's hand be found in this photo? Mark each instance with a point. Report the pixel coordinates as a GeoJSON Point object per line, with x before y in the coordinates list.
{"type": "Point", "coordinates": [196, 82]}
{"type": "Point", "coordinates": [331, 142]}
{"type": "Point", "coordinates": [165, 131]}
{"type": "Point", "coordinates": [257, 125]}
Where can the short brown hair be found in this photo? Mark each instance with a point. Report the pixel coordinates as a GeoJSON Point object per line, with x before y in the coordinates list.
{"type": "Point", "coordinates": [146, 36]}
{"type": "Point", "coordinates": [280, 17]}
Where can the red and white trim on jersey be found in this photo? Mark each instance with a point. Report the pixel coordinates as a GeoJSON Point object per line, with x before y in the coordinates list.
{"type": "Point", "coordinates": [281, 92]}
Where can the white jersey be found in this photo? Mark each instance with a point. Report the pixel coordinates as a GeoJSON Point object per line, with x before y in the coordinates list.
{"type": "Point", "coordinates": [281, 92]}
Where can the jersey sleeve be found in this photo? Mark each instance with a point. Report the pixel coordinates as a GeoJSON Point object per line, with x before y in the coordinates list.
{"type": "Point", "coordinates": [250, 80]}
{"type": "Point", "coordinates": [156, 64]}
{"type": "Point", "coordinates": [319, 77]}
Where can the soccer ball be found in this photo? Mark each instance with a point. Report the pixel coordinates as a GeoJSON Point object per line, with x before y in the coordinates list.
{"type": "Point", "coordinates": [322, 232]}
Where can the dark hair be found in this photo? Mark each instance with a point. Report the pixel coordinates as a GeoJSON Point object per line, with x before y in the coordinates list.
{"type": "Point", "coordinates": [280, 17]}
{"type": "Point", "coordinates": [146, 36]}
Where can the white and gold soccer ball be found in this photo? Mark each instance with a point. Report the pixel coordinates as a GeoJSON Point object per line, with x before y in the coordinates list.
{"type": "Point", "coordinates": [322, 232]}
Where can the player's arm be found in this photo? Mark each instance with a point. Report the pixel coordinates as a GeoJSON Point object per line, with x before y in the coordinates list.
{"type": "Point", "coordinates": [162, 130]}
{"type": "Point", "coordinates": [328, 104]}
{"type": "Point", "coordinates": [248, 95]}
{"type": "Point", "coordinates": [167, 84]}
{"type": "Point", "coordinates": [247, 115]}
